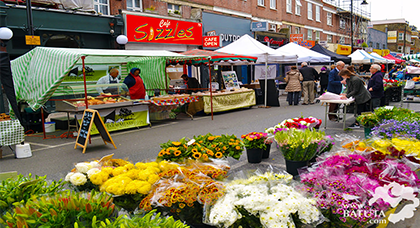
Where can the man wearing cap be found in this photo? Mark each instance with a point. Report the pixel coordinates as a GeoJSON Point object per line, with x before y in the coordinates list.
{"type": "Point", "coordinates": [376, 85]}
{"type": "Point", "coordinates": [111, 78]}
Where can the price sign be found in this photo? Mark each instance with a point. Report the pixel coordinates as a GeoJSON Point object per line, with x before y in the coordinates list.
{"type": "Point", "coordinates": [33, 40]}
{"type": "Point", "coordinates": [91, 116]}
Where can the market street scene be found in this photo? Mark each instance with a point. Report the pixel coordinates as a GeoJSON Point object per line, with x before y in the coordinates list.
{"type": "Point", "coordinates": [201, 114]}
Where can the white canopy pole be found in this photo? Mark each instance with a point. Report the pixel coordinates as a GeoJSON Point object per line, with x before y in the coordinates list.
{"type": "Point", "coordinates": [265, 84]}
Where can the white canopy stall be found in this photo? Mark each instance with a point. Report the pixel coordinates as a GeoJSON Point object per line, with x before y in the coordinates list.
{"type": "Point", "coordinates": [304, 54]}
{"type": "Point", "coordinates": [247, 45]}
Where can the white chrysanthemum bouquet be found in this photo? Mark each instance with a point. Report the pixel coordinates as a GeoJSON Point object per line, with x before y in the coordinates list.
{"type": "Point", "coordinates": [262, 200]}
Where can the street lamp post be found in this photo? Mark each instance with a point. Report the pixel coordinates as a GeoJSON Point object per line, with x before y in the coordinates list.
{"type": "Point", "coordinates": [351, 22]}
{"type": "Point", "coordinates": [122, 40]}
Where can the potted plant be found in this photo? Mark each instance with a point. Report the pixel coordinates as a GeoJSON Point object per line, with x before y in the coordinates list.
{"type": "Point", "coordinates": [255, 145]}
{"type": "Point", "coordinates": [368, 121]}
{"type": "Point", "coordinates": [298, 147]}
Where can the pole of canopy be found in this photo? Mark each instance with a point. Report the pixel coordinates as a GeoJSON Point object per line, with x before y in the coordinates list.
{"type": "Point", "coordinates": [166, 78]}
{"type": "Point", "coordinates": [265, 84]}
{"type": "Point", "coordinates": [211, 91]}
{"type": "Point", "coordinates": [43, 122]}
{"type": "Point", "coordinates": [84, 81]}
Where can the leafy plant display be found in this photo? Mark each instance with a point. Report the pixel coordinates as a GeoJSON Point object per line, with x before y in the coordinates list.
{"type": "Point", "coordinates": [60, 210]}
{"type": "Point", "coordinates": [20, 190]}
{"type": "Point", "coordinates": [368, 120]}
{"type": "Point", "coordinates": [151, 219]}
{"type": "Point", "coordinates": [202, 147]}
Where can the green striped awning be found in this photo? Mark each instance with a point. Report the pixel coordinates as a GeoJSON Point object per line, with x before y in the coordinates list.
{"type": "Point", "coordinates": [38, 73]}
{"type": "Point", "coordinates": [412, 56]}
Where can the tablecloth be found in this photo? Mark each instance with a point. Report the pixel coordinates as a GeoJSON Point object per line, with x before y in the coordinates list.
{"type": "Point", "coordinates": [11, 132]}
{"type": "Point", "coordinates": [224, 102]}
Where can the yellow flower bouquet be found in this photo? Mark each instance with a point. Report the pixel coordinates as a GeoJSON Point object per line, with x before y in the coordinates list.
{"type": "Point", "coordinates": [202, 147]}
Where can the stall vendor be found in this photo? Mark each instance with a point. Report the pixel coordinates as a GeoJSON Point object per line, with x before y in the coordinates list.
{"type": "Point", "coordinates": [192, 83]}
{"type": "Point", "coordinates": [112, 78]}
{"type": "Point", "coordinates": [135, 84]}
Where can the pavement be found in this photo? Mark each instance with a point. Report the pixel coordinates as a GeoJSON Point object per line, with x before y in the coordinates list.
{"type": "Point", "coordinates": [56, 156]}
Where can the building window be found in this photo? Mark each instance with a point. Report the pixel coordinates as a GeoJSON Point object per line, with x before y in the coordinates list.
{"type": "Point", "coordinates": [377, 45]}
{"type": "Point", "coordinates": [134, 5]}
{"type": "Point", "coordinates": [174, 9]}
{"type": "Point", "coordinates": [273, 4]}
{"type": "Point", "coordinates": [297, 30]}
{"type": "Point", "coordinates": [317, 13]}
{"type": "Point", "coordinates": [329, 38]}
{"type": "Point", "coordinates": [400, 36]}
{"type": "Point", "coordinates": [342, 40]}
{"type": "Point", "coordinates": [261, 2]}
{"type": "Point", "coordinates": [298, 7]}
{"type": "Point", "coordinates": [342, 23]}
{"type": "Point", "coordinates": [411, 51]}
{"type": "Point", "coordinates": [383, 46]}
{"type": "Point", "coordinates": [371, 44]}
{"type": "Point", "coordinates": [400, 48]}
{"type": "Point", "coordinates": [289, 6]}
{"type": "Point", "coordinates": [101, 6]}
{"type": "Point", "coordinates": [309, 34]}
{"type": "Point", "coordinates": [310, 11]}
{"type": "Point", "coordinates": [317, 35]}
{"type": "Point", "coordinates": [329, 18]}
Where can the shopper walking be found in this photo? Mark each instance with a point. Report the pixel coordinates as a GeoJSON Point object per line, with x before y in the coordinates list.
{"type": "Point", "coordinates": [309, 75]}
{"type": "Point", "coordinates": [356, 89]}
{"type": "Point", "coordinates": [376, 86]}
{"type": "Point", "coordinates": [334, 86]}
{"type": "Point", "coordinates": [293, 87]}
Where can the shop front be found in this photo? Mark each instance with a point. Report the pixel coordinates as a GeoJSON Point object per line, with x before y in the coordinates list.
{"type": "Point", "coordinates": [146, 32]}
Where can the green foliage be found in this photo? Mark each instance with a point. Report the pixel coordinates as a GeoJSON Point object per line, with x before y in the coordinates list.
{"type": "Point", "coordinates": [61, 210]}
{"type": "Point", "coordinates": [380, 114]}
{"type": "Point", "coordinates": [364, 44]}
{"type": "Point", "coordinates": [21, 189]}
{"type": "Point", "coordinates": [151, 219]}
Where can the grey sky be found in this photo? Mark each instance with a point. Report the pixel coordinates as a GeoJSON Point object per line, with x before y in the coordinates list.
{"type": "Point", "coordinates": [395, 9]}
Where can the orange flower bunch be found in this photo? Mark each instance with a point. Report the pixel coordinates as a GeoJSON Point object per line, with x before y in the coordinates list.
{"type": "Point", "coordinates": [183, 191]}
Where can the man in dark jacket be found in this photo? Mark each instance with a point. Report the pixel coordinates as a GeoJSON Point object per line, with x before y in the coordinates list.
{"type": "Point", "coordinates": [376, 85]}
{"type": "Point", "coordinates": [309, 76]}
{"type": "Point", "coordinates": [335, 86]}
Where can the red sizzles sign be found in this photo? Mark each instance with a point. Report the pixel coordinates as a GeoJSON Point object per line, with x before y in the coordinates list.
{"type": "Point", "coordinates": [211, 41]}
{"type": "Point", "coordinates": [159, 30]}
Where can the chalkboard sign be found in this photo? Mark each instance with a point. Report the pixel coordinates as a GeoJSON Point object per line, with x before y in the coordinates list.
{"type": "Point", "coordinates": [91, 116]}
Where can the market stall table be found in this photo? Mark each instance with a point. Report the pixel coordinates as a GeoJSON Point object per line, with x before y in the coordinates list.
{"type": "Point", "coordinates": [345, 103]}
{"type": "Point", "coordinates": [132, 113]}
{"type": "Point", "coordinates": [225, 101]}
{"type": "Point", "coordinates": [11, 133]}
{"type": "Point", "coordinates": [170, 102]}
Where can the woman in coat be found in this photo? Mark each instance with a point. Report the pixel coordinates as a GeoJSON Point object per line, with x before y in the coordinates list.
{"type": "Point", "coordinates": [293, 87]}
{"type": "Point", "coordinates": [356, 89]}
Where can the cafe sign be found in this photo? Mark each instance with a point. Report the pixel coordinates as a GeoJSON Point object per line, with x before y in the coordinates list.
{"type": "Point", "coordinates": [160, 30]}
{"type": "Point", "coordinates": [211, 41]}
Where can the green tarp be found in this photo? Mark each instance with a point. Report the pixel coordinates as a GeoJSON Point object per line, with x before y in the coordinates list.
{"type": "Point", "coordinates": [38, 73]}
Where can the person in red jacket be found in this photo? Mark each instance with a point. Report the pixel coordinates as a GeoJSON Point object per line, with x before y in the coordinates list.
{"type": "Point", "coordinates": [135, 84]}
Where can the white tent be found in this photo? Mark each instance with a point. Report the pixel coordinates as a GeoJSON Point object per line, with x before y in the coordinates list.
{"type": "Point", "coordinates": [380, 59]}
{"type": "Point", "coordinates": [304, 54]}
{"type": "Point", "coordinates": [361, 57]}
{"type": "Point", "coordinates": [247, 45]}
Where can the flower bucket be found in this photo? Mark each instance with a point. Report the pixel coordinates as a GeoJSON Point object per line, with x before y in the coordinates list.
{"type": "Point", "coordinates": [368, 130]}
{"type": "Point", "coordinates": [254, 155]}
{"type": "Point", "coordinates": [293, 166]}
{"type": "Point", "coordinates": [266, 153]}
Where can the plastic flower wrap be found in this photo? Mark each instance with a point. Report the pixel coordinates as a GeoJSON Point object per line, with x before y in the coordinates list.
{"type": "Point", "coordinates": [183, 191]}
{"type": "Point", "coordinates": [297, 145]}
{"type": "Point", "coordinates": [202, 147]}
{"type": "Point", "coordinates": [300, 123]}
{"type": "Point", "coordinates": [344, 184]}
{"type": "Point", "coordinates": [262, 200]}
{"type": "Point", "coordinates": [255, 140]}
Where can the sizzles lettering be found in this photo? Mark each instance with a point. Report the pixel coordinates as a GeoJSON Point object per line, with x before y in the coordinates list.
{"type": "Point", "coordinates": [164, 34]}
